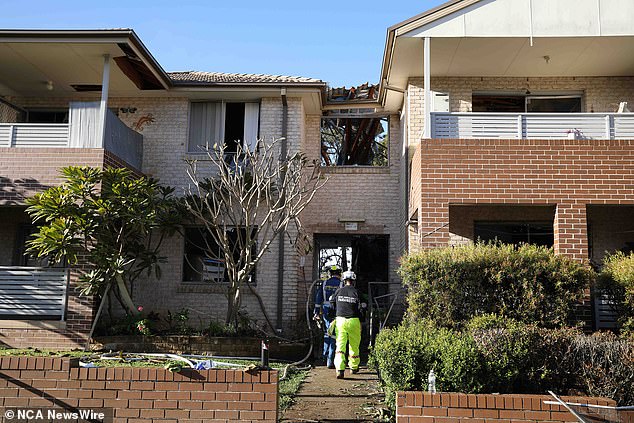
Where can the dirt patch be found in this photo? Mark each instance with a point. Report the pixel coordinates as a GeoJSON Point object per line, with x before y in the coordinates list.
{"type": "Point", "coordinates": [324, 398]}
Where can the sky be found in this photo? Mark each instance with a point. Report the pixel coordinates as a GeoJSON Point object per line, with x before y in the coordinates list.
{"type": "Point", "coordinates": [340, 42]}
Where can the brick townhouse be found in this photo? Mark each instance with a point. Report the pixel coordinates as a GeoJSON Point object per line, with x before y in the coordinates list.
{"type": "Point", "coordinates": [501, 119]}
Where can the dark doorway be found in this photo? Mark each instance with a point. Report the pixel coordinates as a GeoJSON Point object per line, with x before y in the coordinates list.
{"type": "Point", "coordinates": [366, 255]}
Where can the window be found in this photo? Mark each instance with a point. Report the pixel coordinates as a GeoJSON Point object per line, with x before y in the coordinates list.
{"type": "Point", "coordinates": [25, 233]}
{"type": "Point", "coordinates": [230, 123]}
{"type": "Point", "coordinates": [203, 260]}
{"type": "Point", "coordinates": [350, 141]}
{"type": "Point", "coordinates": [537, 233]}
{"type": "Point", "coordinates": [525, 103]}
{"type": "Point", "coordinates": [47, 116]}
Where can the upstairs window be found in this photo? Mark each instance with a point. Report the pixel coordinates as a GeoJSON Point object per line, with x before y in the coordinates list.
{"type": "Point", "coordinates": [231, 124]}
{"type": "Point", "coordinates": [525, 103]}
{"type": "Point", "coordinates": [354, 140]}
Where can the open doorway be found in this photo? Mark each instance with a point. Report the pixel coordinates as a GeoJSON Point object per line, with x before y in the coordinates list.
{"type": "Point", "coordinates": [366, 255]}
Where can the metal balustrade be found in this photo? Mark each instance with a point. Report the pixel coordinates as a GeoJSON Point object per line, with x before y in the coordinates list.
{"type": "Point", "coordinates": [33, 292]}
{"type": "Point", "coordinates": [604, 126]}
{"type": "Point", "coordinates": [33, 135]}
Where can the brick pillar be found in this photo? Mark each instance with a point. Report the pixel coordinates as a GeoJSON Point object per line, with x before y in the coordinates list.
{"type": "Point", "coordinates": [571, 230]}
{"type": "Point", "coordinates": [433, 225]}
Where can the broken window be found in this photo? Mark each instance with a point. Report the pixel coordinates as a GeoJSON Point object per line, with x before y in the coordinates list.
{"type": "Point", "coordinates": [203, 261]}
{"type": "Point", "coordinates": [350, 141]}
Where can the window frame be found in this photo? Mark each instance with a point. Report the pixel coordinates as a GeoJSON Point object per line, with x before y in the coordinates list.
{"type": "Point", "coordinates": [346, 116]}
{"type": "Point", "coordinates": [526, 223]}
{"type": "Point", "coordinates": [223, 116]}
{"type": "Point", "coordinates": [201, 281]}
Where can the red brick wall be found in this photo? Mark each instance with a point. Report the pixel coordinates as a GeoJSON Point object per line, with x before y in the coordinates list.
{"type": "Point", "coordinates": [568, 174]}
{"type": "Point", "coordinates": [140, 394]}
{"type": "Point", "coordinates": [422, 407]}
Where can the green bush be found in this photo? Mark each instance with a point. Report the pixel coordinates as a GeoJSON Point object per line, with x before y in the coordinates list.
{"type": "Point", "coordinates": [493, 354]}
{"type": "Point", "coordinates": [527, 283]}
{"type": "Point", "coordinates": [617, 280]}
{"type": "Point", "coordinates": [405, 355]}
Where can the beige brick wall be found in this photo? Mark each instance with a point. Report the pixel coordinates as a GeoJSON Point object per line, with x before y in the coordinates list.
{"type": "Point", "coordinates": [371, 194]}
{"type": "Point", "coordinates": [165, 151]}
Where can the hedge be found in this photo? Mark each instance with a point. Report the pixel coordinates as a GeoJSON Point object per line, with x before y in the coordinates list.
{"type": "Point", "coordinates": [493, 354]}
{"type": "Point", "coordinates": [527, 283]}
{"type": "Point", "coordinates": [617, 280]}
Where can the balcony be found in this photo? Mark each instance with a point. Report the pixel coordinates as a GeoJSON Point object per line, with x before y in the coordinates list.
{"type": "Point", "coordinates": [81, 132]}
{"type": "Point", "coordinates": [599, 126]}
{"type": "Point", "coordinates": [33, 293]}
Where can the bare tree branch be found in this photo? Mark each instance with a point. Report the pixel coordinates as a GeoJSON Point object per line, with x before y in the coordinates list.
{"type": "Point", "coordinates": [256, 194]}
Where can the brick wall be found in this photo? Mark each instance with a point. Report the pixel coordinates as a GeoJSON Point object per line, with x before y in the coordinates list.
{"type": "Point", "coordinates": [140, 394]}
{"type": "Point", "coordinates": [26, 171]}
{"type": "Point", "coordinates": [423, 407]}
{"type": "Point", "coordinates": [372, 194]}
{"type": "Point", "coordinates": [565, 174]}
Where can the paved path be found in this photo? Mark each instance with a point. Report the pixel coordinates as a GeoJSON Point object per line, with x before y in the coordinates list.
{"type": "Point", "coordinates": [324, 398]}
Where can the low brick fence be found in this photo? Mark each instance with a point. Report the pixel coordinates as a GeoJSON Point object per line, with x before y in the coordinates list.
{"type": "Point", "coordinates": [139, 394]}
{"type": "Point", "coordinates": [423, 407]}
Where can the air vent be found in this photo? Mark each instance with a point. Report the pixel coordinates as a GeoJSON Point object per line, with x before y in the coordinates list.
{"type": "Point", "coordinates": [86, 87]}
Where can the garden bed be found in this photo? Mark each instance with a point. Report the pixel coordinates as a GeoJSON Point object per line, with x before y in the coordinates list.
{"type": "Point", "coordinates": [218, 346]}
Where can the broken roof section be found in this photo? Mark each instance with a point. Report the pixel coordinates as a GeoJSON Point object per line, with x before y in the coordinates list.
{"type": "Point", "coordinates": [361, 93]}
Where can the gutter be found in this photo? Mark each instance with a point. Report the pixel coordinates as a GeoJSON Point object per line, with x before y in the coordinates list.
{"type": "Point", "coordinates": [281, 245]}
{"type": "Point", "coordinates": [408, 25]}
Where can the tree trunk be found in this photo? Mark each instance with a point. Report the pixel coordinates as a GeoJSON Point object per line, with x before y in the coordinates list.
{"type": "Point", "coordinates": [125, 296]}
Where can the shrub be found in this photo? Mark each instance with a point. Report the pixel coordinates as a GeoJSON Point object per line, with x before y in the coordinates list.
{"type": "Point", "coordinates": [605, 366]}
{"type": "Point", "coordinates": [527, 283]}
{"type": "Point", "coordinates": [493, 354]}
{"type": "Point", "coordinates": [509, 350]}
{"type": "Point", "coordinates": [405, 355]}
{"type": "Point", "coordinates": [617, 281]}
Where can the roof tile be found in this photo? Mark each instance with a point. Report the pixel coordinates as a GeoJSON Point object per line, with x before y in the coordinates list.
{"type": "Point", "coordinates": [194, 77]}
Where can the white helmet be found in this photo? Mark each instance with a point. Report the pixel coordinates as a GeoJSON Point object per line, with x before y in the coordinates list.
{"type": "Point", "coordinates": [349, 274]}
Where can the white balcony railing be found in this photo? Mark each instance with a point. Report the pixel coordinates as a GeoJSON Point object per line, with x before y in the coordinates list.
{"type": "Point", "coordinates": [33, 292]}
{"type": "Point", "coordinates": [33, 135]}
{"type": "Point", "coordinates": [603, 126]}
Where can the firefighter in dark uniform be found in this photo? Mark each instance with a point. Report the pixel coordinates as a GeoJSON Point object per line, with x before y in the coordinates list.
{"type": "Point", "coordinates": [324, 310]}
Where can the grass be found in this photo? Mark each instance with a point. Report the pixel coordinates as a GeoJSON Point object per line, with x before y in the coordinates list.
{"type": "Point", "coordinates": [289, 387]}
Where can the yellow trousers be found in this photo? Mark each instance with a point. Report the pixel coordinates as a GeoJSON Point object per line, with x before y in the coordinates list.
{"type": "Point", "coordinates": [348, 332]}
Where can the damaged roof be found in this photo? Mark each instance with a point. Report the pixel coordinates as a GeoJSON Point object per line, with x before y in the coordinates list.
{"type": "Point", "coordinates": [214, 78]}
{"type": "Point", "coordinates": [364, 92]}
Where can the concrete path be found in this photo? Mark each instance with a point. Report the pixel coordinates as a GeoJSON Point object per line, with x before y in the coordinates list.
{"type": "Point", "coordinates": [324, 398]}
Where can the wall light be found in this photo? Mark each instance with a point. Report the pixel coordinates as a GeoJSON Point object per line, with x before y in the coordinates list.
{"type": "Point", "coordinates": [49, 85]}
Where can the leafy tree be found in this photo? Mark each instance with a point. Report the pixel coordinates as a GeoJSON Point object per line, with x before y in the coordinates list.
{"type": "Point", "coordinates": [251, 198]}
{"type": "Point", "coordinates": [106, 221]}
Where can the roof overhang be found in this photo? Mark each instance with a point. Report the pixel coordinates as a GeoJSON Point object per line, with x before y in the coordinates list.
{"type": "Point", "coordinates": [504, 38]}
{"type": "Point", "coordinates": [29, 59]}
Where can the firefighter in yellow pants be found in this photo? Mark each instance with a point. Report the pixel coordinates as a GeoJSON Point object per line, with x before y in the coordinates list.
{"type": "Point", "coordinates": [347, 304]}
